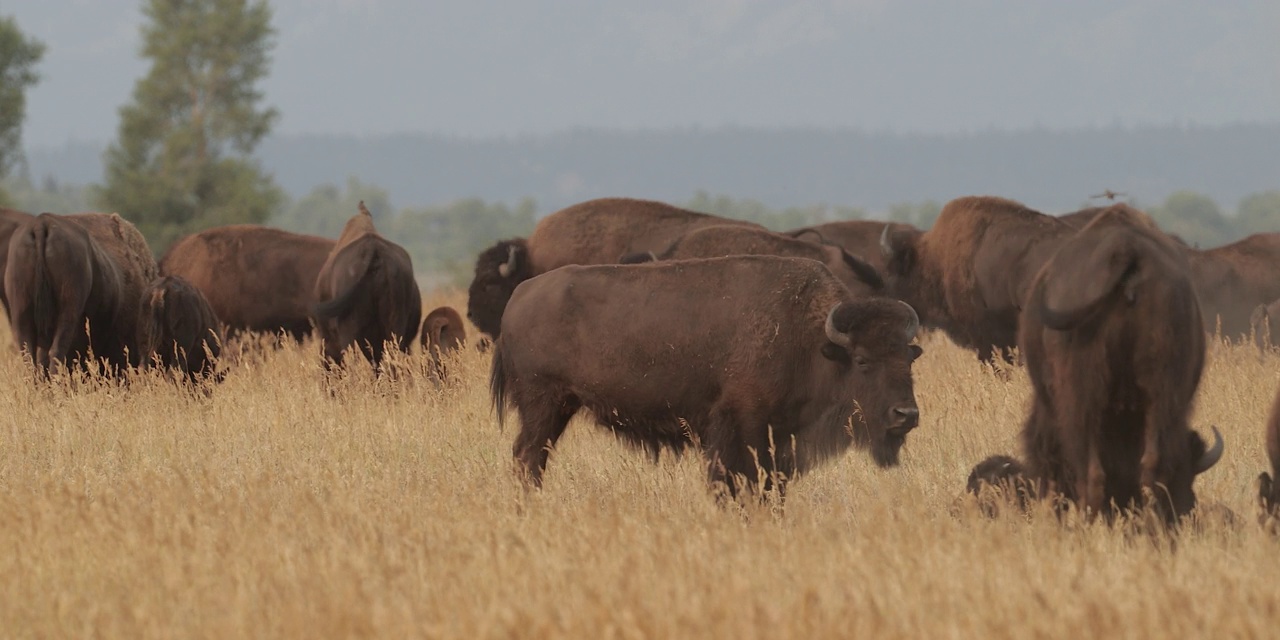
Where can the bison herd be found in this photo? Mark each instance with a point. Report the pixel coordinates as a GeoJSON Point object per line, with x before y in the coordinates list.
{"type": "Point", "coordinates": [769, 353]}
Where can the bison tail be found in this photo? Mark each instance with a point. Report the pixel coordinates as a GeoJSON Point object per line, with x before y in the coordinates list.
{"type": "Point", "coordinates": [342, 303]}
{"type": "Point", "coordinates": [1075, 288]}
{"type": "Point", "coordinates": [498, 384]}
{"type": "Point", "coordinates": [43, 304]}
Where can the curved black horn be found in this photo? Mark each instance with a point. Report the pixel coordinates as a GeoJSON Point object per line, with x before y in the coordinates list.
{"type": "Point", "coordinates": [913, 323]}
{"type": "Point", "coordinates": [1213, 455]}
{"type": "Point", "coordinates": [835, 335]}
{"type": "Point", "coordinates": [509, 267]}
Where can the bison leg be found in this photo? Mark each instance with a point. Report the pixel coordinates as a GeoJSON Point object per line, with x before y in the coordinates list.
{"type": "Point", "coordinates": [542, 421]}
{"type": "Point", "coordinates": [1091, 486]}
{"type": "Point", "coordinates": [739, 447]}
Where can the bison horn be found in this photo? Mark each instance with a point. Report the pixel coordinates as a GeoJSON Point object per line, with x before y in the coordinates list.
{"type": "Point", "coordinates": [507, 268]}
{"type": "Point", "coordinates": [913, 322]}
{"type": "Point", "coordinates": [835, 335]}
{"type": "Point", "coordinates": [886, 247]}
{"type": "Point", "coordinates": [1212, 456]}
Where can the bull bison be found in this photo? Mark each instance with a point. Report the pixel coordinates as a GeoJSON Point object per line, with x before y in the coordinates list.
{"type": "Point", "coordinates": [366, 294]}
{"type": "Point", "coordinates": [859, 237]}
{"type": "Point", "coordinates": [10, 220]}
{"type": "Point", "coordinates": [968, 274]}
{"type": "Point", "coordinates": [179, 328]}
{"type": "Point", "coordinates": [597, 231]}
{"type": "Point", "coordinates": [767, 362]}
{"type": "Point", "coordinates": [66, 270]}
{"type": "Point", "coordinates": [442, 334]}
{"type": "Point", "coordinates": [1115, 346]}
{"type": "Point", "coordinates": [719, 241]}
{"type": "Point", "coordinates": [255, 278]}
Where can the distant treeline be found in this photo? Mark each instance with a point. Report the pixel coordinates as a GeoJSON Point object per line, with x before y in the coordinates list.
{"type": "Point", "coordinates": [445, 238]}
{"type": "Point", "coordinates": [1049, 170]}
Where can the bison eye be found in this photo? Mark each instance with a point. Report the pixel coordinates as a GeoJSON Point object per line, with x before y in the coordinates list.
{"type": "Point", "coordinates": [862, 362]}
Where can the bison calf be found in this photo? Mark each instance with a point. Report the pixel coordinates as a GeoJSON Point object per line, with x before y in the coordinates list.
{"type": "Point", "coordinates": [179, 328]}
{"type": "Point", "coordinates": [769, 363]}
{"type": "Point", "coordinates": [442, 334]}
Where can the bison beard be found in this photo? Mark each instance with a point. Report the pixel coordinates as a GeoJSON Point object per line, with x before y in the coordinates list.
{"type": "Point", "coordinates": [779, 371]}
{"type": "Point", "coordinates": [1114, 346]}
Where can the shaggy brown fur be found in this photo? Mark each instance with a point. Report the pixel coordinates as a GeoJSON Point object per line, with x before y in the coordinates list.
{"type": "Point", "coordinates": [859, 237]}
{"type": "Point", "coordinates": [366, 294]}
{"type": "Point", "coordinates": [593, 232]}
{"type": "Point", "coordinates": [782, 366]}
{"type": "Point", "coordinates": [729, 240]}
{"type": "Point", "coordinates": [179, 328]}
{"type": "Point", "coordinates": [1268, 485]}
{"type": "Point", "coordinates": [10, 220]}
{"type": "Point", "coordinates": [443, 333]}
{"type": "Point", "coordinates": [65, 270]}
{"type": "Point", "coordinates": [255, 278]}
{"type": "Point", "coordinates": [968, 275]}
{"type": "Point", "coordinates": [1115, 346]}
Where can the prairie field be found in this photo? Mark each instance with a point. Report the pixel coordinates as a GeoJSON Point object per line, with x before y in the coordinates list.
{"type": "Point", "coordinates": [286, 504]}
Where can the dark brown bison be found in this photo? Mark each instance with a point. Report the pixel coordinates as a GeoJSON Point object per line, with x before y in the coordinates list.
{"type": "Point", "coordinates": [767, 362]}
{"type": "Point", "coordinates": [969, 274]}
{"type": "Point", "coordinates": [366, 294]}
{"type": "Point", "coordinates": [179, 329]}
{"type": "Point", "coordinates": [10, 220]}
{"type": "Point", "coordinates": [1114, 346]}
{"type": "Point", "coordinates": [719, 241]}
{"type": "Point", "coordinates": [1264, 323]}
{"type": "Point", "coordinates": [443, 333]}
{"type": "Point", "coordinates": [1234, 279]}
{"type": "Point", "coordinates": [66, 270]}
{"type": "Point", "coordinates": [598, 231]}
{"type": "Point", "coordinates": [255, 278]}
{"type": "Point", "coordinates": [859, 237]}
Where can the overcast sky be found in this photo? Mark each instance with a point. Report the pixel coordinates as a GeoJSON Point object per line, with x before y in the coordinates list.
{"type": "Point", "coordinates": [496, 67]}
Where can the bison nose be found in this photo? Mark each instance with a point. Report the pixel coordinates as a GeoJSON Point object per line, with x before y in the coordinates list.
{"type": "Point", "coordinates": [905, 418]}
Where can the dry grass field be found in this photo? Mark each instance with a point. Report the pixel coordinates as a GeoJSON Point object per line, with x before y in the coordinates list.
{"type": "Point", "coordinates": [282, 506]}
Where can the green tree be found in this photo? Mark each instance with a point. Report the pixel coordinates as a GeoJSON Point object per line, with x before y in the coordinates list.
{"type": "Point", "coordinates": [51, 196]}
{"type": "Point", "coordinates": [325, 210]}
{"type": "Point", "coordinates": [775, 219]}
{"type": "Point", "coordinates": [18, 57]}
{"type": "Point", "coordinates": [182, 161]}
{"type": "Point", "coordinates": [444, 240]}
{"type": "Point", "coordinates": [1259, 213]}
{"type": "Point", "coordinates": [1195, 218]}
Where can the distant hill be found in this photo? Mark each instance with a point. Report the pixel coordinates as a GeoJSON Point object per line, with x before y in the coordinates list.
{"type": "Point", "coordinates": [1049, 170]}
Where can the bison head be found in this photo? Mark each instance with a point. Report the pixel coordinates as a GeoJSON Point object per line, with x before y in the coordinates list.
{"type": "Point", "coordinates": [498, 270]}
{"type": "Point", "coordinates": [1198, 458]}
{"type": "Point", "coordinates": [1007, 476]}
{"type": "Point", "coordinates": [903, 277]}
{"type": "Point", "coordinates": [872, 339]}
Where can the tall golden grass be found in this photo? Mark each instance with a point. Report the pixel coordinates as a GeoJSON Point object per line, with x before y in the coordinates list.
{"type": "Point", "coordinates": [283, 505]}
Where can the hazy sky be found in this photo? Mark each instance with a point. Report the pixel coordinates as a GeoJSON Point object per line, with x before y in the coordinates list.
{"type": "Point", "coordinates": [493, 67]}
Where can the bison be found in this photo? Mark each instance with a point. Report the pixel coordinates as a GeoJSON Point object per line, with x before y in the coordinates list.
{"type": "Point", "coordinates": [1114, 345]}
{"type": "Point", "coordinates": [1234, 279]}
{"type": "Point", "coordinates": [728, 240]}
{"type": "Point", "coordinates": [442, 334]}
{"type": "Point", "coordinates": [255, 278]}
{"type": "Point", "coordinates": [1268, 486]}
{"type": "Point", "coordinates": [597, 231]}
{"type": "Point", "coordinates": [768, 363]}
{"type": "Point", "coordinates": [859, 237]}
{"type": "Point", "coordinates": [179, 329]}
{"type": "Point", "coordinates": [1262, 324]}
{"type": "Point", "coordinates": [10, 221]}
{"type": "Point", "coordinates": [968, 274]}
{"type": "Point", "coordinates": [366, 294]}
{"type": "Point", "coordinates": [64, 271]}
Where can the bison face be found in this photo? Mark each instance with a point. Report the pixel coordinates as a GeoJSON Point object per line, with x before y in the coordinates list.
{"type": "Point", "coordinates": [871, 339]}
{"type": "Point", "coordinates": [1181, 498]}
{"type": "Point", "coordinates": [498, 270]}
{"type": "Point", "coordinates": [903, 277]}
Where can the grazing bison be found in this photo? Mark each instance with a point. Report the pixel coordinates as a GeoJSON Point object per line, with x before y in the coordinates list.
{"type": "Point", "coordinates": [66, 270]}
{"type": "Point", "coordinates": [859, 237]}
{"type": "Point", "coordinates": [255, 278]}
{"type": "Point", "coordinates": [968, 274]}
{"type": "Point", "coordinates": [719, 241]}
{"type": "Point", "coordinates": [1233, 280]}
{"type": "Point", "coordinates": [10, 220]}
{"type": "Point", "coordinates": [1114, 346]}
{"type": "Point", "coordinates": [179, 328]}
{"type": "Point", "coordinates": [593, 232]}
{"type": "Point", "coordinates": [366, 294]}
{"type": "Point", "coordinates": [442, 334]}
{"type": "Point", "coordinates": [763, 360]}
